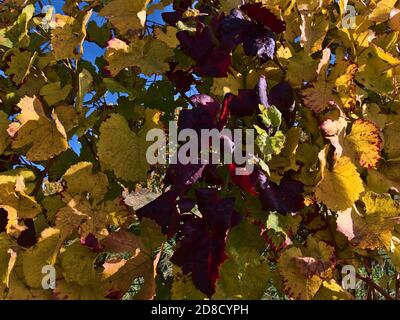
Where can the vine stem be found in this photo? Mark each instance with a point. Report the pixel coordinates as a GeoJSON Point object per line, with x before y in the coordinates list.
{"type": "Point", "coordinates": [39, 183]}
{"type": "Point", "coordinates": [373, 285]}
{"type": "Point", "coordinates": [183, 94]}
{"type": "Point", "coordinates": [276, 61]}
{"type": "Point", "coordinates": [397, 297]}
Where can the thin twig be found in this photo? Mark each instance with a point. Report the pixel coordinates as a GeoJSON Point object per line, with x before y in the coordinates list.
{"type": "Point", "coordinates": [187, 99]}
{"type": "Point", "coordinates": [39, 183]}
{"type": "Point", "coordinates": [373, 285]}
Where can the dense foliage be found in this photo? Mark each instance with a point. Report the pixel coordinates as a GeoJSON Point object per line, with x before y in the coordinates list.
{"type": "Point", "coordinates": [322, 96]}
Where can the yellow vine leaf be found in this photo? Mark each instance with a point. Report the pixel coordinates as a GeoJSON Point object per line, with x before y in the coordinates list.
{"type": "Point", "coordinates": [75, 182]}
{"type": "Point", "coordinates": [304, 270]}
{"type": "Point", "coordinates": [20, 65]}
{"type": "Point", "coordinates": [142, 263]}
{"type": "Point", "coordinates": [379, 183]}
{"type": "Point", "coordinates": [301, 68]}
{"type": "Point", "coordinates": [365, 141]}
{"type": "Point", "coordinates": [395, 257]}
{"type": "Point", "coordinates": [382, 10]}
{"type": "Point", "coordinates": [80, 278]}
{"type": "Point", "coordinates": [68, 116]}
{"type": "Point", "coordinates": [52, 204]}
{"type": "Point", "coordinates": [139, 266]}
{"type": "Point", "coordinates": [44, 137]}
{"type": "Point", "coordinates": [318, 96]}
{"type": "Point", "coordinates": [314, 28]}
{"type": "Point", "coordinates": [297, 286]}
{"type": "Point", "coordinates": [16, 34]}
{"type": "Point", "coordinates": [68, 220]}
{"type": "Point", "coordinates": [385, 56]}
{"type": "Point", "coordinates": [41, 254]}
{"type": "Point", "coordinates": [72, 291]}
{"type": "Point", "coordinates": [17, 201]}
{"type": "Point", "coordinates": [168, 36]}
{"type": "Point", "coordinates": [85, 83]}
{"type": "Point", "coordinates": [340, 187]}
{"type": "Point", "coordinates": [18, 288]}
{"type": "Point", "coordinates": [309, 5]}
{"type": "Point", "coordinates": [391, 132]}
{"type": "Point", "coordinates": [149, 56]}
{"type": "Point", "coordinates": [230, 84]}
{"type": "Point", "coordinates": [373, 112]}
{"type": "Point", "coordinates": [126, 15]}
{"type": "Point", "coordinates": [228, 5]}
{"type": "Point", "coordinates": [31, 109]}
{"type": "Point", "coordinates": [68, 35]}
{"type": "Point", "coordinates": [90, 218]}
{"type": "Point", "coordinates": [394, 21]}
{"type": "Point", "coordinates": [183, 287]}
{"type": "Point", "coordinates": [77, 265]}
{"type": "Point", "coordinates": [331, 290]}
{"type": "Point", "coordinates": [293, 21]}
{"type": "Point", "coordinates": [370, 65]}
{"type": "Point", "coordinates": [239, 273]}
{"type": "Point", "coordinates": [7, 258]}
{"type": "Point", "coordinates": [345, 73]}
{"type": "Point", "coordinates": [123, 151]}
{"type": "Point", "coordinates": [391, 172]}
{"type": "Point", "coordinates": [239, 276]}
{"type": "Point", "coordinates": [374, 229]}
{"type": "Point", "coordinates": [53, 92]}
{"type": "Point", "coordinates": [81, 180]}
{"type": "Point", "coordinates": [318, 258]}
{"type": "Point", "coordinates": [286, 160]}
{"type": "Point", "coordinates": [4, 137]}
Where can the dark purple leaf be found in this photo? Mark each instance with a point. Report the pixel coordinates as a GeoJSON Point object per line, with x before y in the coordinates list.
{"type": "Point", "coordinates": [248, 100]}
{"type": "Point", "coordinates": [210, 175]}
{"type": "Point", "coordinates": [287, 197]}
{"type": "Point", "coordinates": [212, 60]}
{"type": "Point", "coordinates": [186, 205]}
{"type": "Point", "coordinates": [259, 42]}
{"type": "Point", "coordinates": [202, 250]}
{"type": "Point", "coordinates": [233, 29]}
{"type": "Point", "coordinates": [181, 79]}
{"type": "Point", "coordinates": [258, 13]}
{"type": "Point", "coordinates": [27, 238]}
{"type": "Point", "coordinates": [196, 118]}
{"type": "Point", "coordinates": [245, 104]}
{"type": "Point", "coordinates": [281, 96]}
{"type": "Point", "coordinates": [182, 5]}
{"type": "Point", "coordinates": [3, 220]}
{"type": "Point", "coordinates": [163, 210]}
{"type": "Point", "coordinates": [206, 102]}
{"type": "Point", "coordinates": [246, 182]}
{"type": "Point", "coordinates": [172, 18]}
{"type": "Point", "coordinates": [181, 177]}
{"type": "Point", "coordinates": [216, 65]}
{"type": "Point", "coordinates": [92, 243]}
{"type": "Point", "coordinates": [199, 45]}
